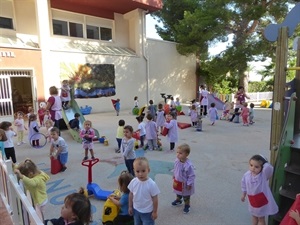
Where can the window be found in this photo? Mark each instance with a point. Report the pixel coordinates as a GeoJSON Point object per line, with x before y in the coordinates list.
{"type": "Point", "coordinates": [6, 23]}
{"type": "Point", "coordinates": [106, 34]}
{"type": "Point", "coordinates": [92, 32]}
{"type": "Point", "coordinates": [76, 30]}
{"type": "Point", "coordinates": [60, 27]}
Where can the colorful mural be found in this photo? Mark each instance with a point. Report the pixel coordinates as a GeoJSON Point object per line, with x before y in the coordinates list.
{"type": "Point", "coordinates": [90, 80]}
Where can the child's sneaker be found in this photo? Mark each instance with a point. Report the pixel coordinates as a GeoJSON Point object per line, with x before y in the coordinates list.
{"type": "Point", "coordinates": [85, 158]}
{"type": "Point", "coordinates": [186, 209]}
{"type": "Point", "coordinates": [19, 143]}
{"type": "Point", "coordinates": [177, 202]}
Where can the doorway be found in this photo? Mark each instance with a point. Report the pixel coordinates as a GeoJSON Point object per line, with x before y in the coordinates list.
{"type": "Point", "coordinates": [15, 93]}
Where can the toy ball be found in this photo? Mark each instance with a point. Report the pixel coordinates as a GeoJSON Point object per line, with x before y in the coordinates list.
{"type": "Point", "coordinates": [43, 104]}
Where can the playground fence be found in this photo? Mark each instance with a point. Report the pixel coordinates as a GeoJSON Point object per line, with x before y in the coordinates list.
{"type": "Point", "coordinates": [16, 202]}
{"type": "Point", "coordinates": [254, 96]}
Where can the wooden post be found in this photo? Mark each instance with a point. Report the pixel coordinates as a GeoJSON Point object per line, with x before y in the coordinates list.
{"type": "Point", "coordinates": [279, 91]}
{"type": "Point", "coordinates": [297, 86]}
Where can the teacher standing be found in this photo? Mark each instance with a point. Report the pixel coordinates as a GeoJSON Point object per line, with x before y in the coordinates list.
{"type": "Point", "coordinates": [54, 105]}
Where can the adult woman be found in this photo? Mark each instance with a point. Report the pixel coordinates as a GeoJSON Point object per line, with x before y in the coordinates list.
{"type": "Point", "coordinates": [54, 106]}
{"type": "Point", "coordinates": [240, 97]}
{"type": "Point", "coordinates": [203, 100]}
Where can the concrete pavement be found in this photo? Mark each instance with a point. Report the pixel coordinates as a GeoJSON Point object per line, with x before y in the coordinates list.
{"type": "Point", "coordinates": [220, 154]}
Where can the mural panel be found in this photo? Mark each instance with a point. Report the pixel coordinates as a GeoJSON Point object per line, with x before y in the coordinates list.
{"type": "Point", "coordinates": [89, 80]}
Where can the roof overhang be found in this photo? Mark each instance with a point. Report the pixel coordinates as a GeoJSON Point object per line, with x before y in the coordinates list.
{"type": "Point", "coordinates": [106, 8]}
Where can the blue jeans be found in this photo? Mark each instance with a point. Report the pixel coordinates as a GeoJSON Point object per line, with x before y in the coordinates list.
{"type": "Point", "coordinates": [129, 165]}
{"type": "Point", "coordinates": [142, 218]}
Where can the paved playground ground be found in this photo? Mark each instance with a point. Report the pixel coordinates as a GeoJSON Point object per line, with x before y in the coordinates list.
{"type": "Point", "coordinates": [220, 154]}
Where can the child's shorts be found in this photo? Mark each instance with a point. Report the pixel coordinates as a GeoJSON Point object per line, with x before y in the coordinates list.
{"type": "Point", "coordinates": [89, 146]}
{"type": "Point", "coordinates": [63, 158]}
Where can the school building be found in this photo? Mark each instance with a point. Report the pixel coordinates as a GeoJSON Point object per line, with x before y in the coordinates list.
{"type": "Point", "coordinates": [99, 46]}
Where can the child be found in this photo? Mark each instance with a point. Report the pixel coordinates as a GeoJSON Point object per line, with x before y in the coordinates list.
{"type": "Point", "coordinates": [184, 177]}
{"type": "Point", "coordinates": [65, 94]}
{"type": "Point", "coordinates": [151, 133]}
{"type": "Point", "coordinates": [41, 113]}
{"type": "Point", "coordinates": [117, 106]}
{"type": "Point", "coordinates": [47, 116]}
{"type": "Point", "coordinates": [173, 107]}
{"type": "Point", "coordinates": [203, 99]}
{"type": "Point", "coordinates": [34, 181]}
{"type": "Point", "coordinates": [152, 110]}
{"type": "Point", "coordinates": [143, 196]}
{"type": "Point", "coordinates": [30, 112]}
{"type": "Point", "coordinates": [251, 114]}
{"type": "Point", "coordinates": [74, 123]}
{"type": "Point", "coordinates": [123, 216]}
{"type": "Point", "coordinates": [177, 102]}
{"type": "Point", "coordinates": [136, 102]}
{"type": "Point", "coordinates": [194, 115]}
{"type": "Point", "coordinates": [160, 117]}
{"type": "Point", "coordinates": [245, 114]}
{"type": "Point", "coordinates": [171, 124]}
{"type": "Point", "coordinates": [19, 123]}
{"type": "Point", "coordinates": [213, 113]}
{"type": "Point", "coordinates": [120, 134]}
{"type": "Point", "coordinates": [59, 148]}
{"type": "Point", "coordinates": [127, 148]}
{"type": "Point", "coordinates": [255, 184]}
{"type": "Point", "coordinates": [9, 143]}
{"type": "Point", "coordinates": [87, 134]}
{"type": "Point", "coordinates": [141, 129]}
{"type": "Point", "coordinates": [77, 210]}
{"type": "Point", "coordinates": [33, 131]}
{"type": "Point", "coordinates": [49, 125]}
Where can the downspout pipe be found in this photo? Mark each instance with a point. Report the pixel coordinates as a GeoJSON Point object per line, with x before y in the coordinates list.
{"type": "Point", "coordinates": [144, 38]}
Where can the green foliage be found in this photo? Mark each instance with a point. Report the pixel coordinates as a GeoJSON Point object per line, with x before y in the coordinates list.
{"type": "Point", "coordinates": [197, 24]}
{"type": "Point", "coordinates": [260, 86]}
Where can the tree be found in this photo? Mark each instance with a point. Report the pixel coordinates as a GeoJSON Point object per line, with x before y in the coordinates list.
{"type": "Point", "coordinates": [196, 24]}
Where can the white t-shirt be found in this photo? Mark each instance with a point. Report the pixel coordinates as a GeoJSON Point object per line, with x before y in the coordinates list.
{"type": "Point", "coordinates": [9, 143]}
{"type": "Point", "coordinates": [143, 191]}
{"type": "Point", "coordinates": [142, 128]}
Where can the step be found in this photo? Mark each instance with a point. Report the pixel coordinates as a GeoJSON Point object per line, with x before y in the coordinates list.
{"type": "Point", "coordinates": [288, 193]}
{"type": "Point", "coordinates": [293, 169]}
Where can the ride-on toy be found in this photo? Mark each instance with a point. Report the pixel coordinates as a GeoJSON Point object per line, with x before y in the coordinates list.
{"type": "Point", "coordinates": [93, 188]}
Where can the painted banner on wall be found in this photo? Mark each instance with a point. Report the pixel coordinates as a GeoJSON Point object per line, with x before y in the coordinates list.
{"type": "Point", "coordinates": [90, 80]}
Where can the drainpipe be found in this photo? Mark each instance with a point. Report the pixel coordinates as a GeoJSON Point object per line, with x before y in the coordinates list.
{"type": "Point", "coordinates": [144, 52]}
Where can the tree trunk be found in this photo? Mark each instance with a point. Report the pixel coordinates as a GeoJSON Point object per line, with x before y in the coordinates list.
{"type": "Point", "coordinates": [243, 77]}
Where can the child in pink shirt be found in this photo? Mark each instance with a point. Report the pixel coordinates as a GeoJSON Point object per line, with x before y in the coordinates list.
{"type": "Point", "coordinates": [245, 114]}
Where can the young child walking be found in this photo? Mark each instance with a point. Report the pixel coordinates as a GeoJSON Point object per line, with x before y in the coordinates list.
{"type": "Point", "coordinates": [87, 134]}
{"type": "Point", "coordinates": [19, 123]}
{"type": "Point", "coordinates": [183, 177]}
{"type": "Point", "coordinates": [152, 110]}
{"type": "Point", "coordinates": [47, 116]}
{"type": "Point", "coordinates": [255, 185]}
{"type": "Point", "coordinates": [59, 148]}
{"type": "Point", "coordinates": [143, 196]}
{"type": "Point", "coordinates": [194, 115]}
{"type": "Point", "coordinates": [49, 125]}
{"type": "Point", "coordinates": [213, 113]}
{"type": "Point", "coordinates": [251, 114]}
{"type": "Point", "coordinates": [245, 114]}
{"type": "Point", "coordinates": [33, 131]}
{"type": "Point", "coordinates": [65, 94]}
{"type": "Point", "coordinates": [34, 181]}
{"type": "Point", "coordinates": [136, 102]}
{"type": "Point", "coordinates": [151, 133]}
{"type": "Point", "coordinates": [9, 148]}
{"type": "Point", "coordinates": [141, 129]}
{"type": "Point", "coordinates": [127, 148]}
{"type": "Point", "coordinates": [120, 134]}
{"type": "Point", "coordinates": [160, 117]}
{"type": "Point", "coordinates": [117, 106]}
{"type": "Point", "coordinates": [171, 125]}
{"type": "Point", "coordinates": [77, 210]}
{"type": "Point", "coordinates": [122, 202]}
{"type": "Point", "coordinates": [41, 114]}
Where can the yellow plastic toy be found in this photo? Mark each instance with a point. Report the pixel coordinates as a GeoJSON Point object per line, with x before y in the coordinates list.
{"type": "Point", "coordinates": [110, 210]}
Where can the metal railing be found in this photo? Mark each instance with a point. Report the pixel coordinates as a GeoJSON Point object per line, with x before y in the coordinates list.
{"type": "Point", "coordinates": [16, 202]}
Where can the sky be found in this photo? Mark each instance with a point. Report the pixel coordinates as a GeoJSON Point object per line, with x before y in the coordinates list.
{"type": "Point", "coordinates": [151, 33]}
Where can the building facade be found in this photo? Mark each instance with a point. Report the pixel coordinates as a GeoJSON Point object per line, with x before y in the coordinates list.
{"type": "Point", "coordinates": [100, 47]}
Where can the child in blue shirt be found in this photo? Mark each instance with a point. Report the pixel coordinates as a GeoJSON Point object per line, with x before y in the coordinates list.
{"type": "Point", "coordinates": [123, 216]}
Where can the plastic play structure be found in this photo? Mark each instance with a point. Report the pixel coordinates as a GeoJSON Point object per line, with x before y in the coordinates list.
{"type": "Point", "coordinates": [93, 188]}
{"type": "Point", "coordinates": [285, 125]}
